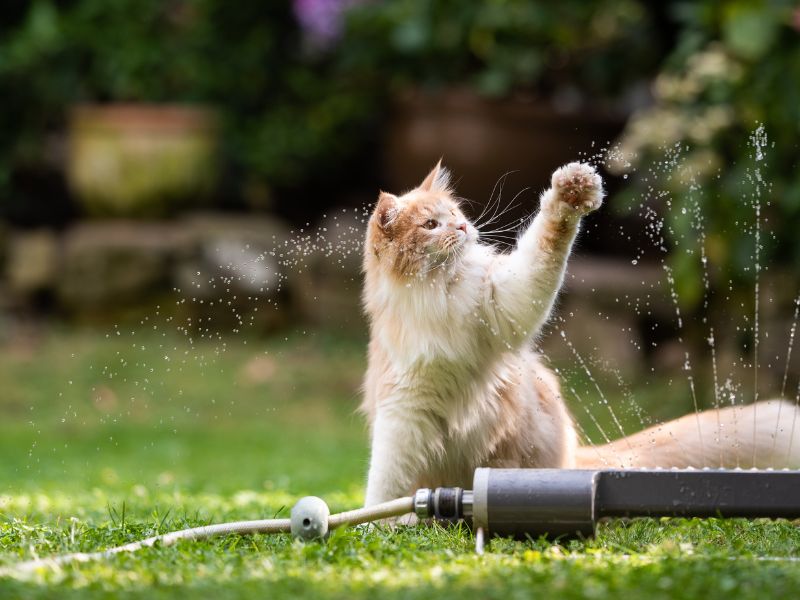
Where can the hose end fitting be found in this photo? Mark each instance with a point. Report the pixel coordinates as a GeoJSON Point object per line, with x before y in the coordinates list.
{"type": "Point", "coordinates": [443, 503]}
{"type": "Point", "coordinates": [423, 503]}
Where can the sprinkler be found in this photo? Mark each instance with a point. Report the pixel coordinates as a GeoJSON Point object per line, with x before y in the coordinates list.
{"type": "Point", "coordinates": [524, 503]}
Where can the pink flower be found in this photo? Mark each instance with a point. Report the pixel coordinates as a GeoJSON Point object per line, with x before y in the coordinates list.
{"type": "Point", "coordinates": [321, 20]}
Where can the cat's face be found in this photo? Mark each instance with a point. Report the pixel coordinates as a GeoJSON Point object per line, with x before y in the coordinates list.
{"type": "Point", "coordinates": [420, 233]}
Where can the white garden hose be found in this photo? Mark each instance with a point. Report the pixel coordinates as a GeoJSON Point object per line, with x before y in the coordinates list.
{"type": "Point", "coordinates": [310, 519]}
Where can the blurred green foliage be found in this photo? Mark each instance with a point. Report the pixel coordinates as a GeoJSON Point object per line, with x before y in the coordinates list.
{"type": "Point", "coordinates": [735, 68]}
{"type": "Point", "coordinates": [294, 113]}
{"type": "Point", "coordinates": [288, 112]}
{"type": "Point", "coordinates": [503, 46]}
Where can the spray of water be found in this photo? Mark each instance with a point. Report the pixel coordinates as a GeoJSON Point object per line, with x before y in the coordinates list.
{"type": "Point", "coordinates": [250, 280]}
{"type": "Point", "coordinates": [758, 141]}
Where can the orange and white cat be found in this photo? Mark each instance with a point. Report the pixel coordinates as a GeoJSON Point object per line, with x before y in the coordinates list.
{"type": "Point", "coordinates": [453, 382]}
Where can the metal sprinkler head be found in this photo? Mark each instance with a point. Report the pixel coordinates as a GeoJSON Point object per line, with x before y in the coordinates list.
{"type": "Point", "coordinates": [309, 519]}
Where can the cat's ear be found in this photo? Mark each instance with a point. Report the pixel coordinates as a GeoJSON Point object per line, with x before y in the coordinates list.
{"type": "Point", "coordinates": [438, 180]}
{"type": "Point", "coordinates": [386, 210]}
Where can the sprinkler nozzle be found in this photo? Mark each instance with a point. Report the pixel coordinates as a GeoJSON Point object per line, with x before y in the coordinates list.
{"type": "Point", "coordinates": [309, 518]}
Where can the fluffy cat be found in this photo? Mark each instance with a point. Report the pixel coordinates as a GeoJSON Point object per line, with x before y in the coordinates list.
{"type": "Point", "coordinates": [453, 382]}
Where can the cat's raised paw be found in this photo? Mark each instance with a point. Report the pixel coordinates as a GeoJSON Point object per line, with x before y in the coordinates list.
{"type": "Point", "coordinates": [578, 186]}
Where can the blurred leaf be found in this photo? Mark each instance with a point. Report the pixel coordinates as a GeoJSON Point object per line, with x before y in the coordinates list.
{"type": "Point", "coordinates": [504, 46]}
{"type": "Point", "coordinates": [494, 82]}
{"type": "Point", "coordinates": [750, 31]}
{"type": "Point", "coordinates": [410, 36]}
{"type": "Point", "coordinates": [729, 73]}
{"type": "Point", "coordinates": [43, 24]}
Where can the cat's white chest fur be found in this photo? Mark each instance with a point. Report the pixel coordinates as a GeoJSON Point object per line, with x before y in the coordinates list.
{"type": "Point", "coordinates": [433, 320]}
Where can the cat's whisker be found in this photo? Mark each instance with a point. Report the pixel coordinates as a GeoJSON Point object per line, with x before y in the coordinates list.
{"type": "Point", "coordinates": [487, 206]}
{"type": "Point", "coordinates": [501, 236]}
{"type": "Point", "coordinates": [489, 217]}
{"type": "Point", "coordinates": [513, 205]}
{"type": "Point", "coordinates": [510, 229]}
{"type": "Point", "coordinates": [454, 253]}
{"type": "Point", "coordinates": [487, 223]}
{"type": "Point", "coordinates": [459, 200]}
{"type": "Point", "coordinates": [492, 217]}
{"type": "Point", "coordinates": [500, 243]}
{"type": "Point", "coordinates": [502, 232]}
{"type": "Point", "coordinates": [494, 203]}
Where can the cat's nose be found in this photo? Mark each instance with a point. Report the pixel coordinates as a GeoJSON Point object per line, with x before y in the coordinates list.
{"type": "Point", "coordinates": [462, 227]}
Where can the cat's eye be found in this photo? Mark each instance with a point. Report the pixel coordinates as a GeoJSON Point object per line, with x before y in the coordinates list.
{"type": "Point", "coordinates": [431, 224]}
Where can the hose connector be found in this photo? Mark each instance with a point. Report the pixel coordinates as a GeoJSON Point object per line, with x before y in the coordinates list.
{"type": "Point", "coordinates": [443, 503]}
{"type": "Point", "coordinates": [423, 505]}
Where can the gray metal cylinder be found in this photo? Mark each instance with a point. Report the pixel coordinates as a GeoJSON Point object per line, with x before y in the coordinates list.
{"type": "Point", "coordinates": [530, 502]}
{"type": "Point", "coordinates": [698, 493]}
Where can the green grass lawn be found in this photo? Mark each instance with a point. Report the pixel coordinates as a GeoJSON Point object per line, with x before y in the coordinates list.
{"type": "Point", "coordinates": [107, 439]}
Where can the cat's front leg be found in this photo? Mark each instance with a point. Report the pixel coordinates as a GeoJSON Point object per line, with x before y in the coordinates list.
{"type": "Point", "coordinates": [396, 458]}
{"type": "Point", "coordinates": [524, 283]}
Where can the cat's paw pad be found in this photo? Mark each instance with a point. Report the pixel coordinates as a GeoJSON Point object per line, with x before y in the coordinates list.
{"type": "Point", "coordinates": [579, 186]}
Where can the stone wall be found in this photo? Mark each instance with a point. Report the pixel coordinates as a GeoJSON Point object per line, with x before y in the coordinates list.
{"type": "Point", "coordinates": [99, 270]}
{"type": "Point", "coordinates": [224, 272]}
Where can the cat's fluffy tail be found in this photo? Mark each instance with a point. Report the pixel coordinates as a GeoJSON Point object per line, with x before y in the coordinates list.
{"type": "Point", "coordinates": [760, 435]}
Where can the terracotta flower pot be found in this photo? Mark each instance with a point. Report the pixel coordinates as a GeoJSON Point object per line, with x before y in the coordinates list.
{"type": "Point", "coordinates": [135, 160]}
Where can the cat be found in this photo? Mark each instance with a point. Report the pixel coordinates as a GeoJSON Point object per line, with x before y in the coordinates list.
{"type": "Point", "coordinates": [453, 382]}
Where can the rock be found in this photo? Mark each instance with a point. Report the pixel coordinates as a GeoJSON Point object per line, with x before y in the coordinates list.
{"type": "Point", "coordinates": [326, 282]}
{"type": "Point", "coordinates": [234, 261]}
{"type": "Point", "coordinates": [223, 269]}
{"type": "Point", "coordinates": [243, 249]}
{"type": "Point", "coordinates": [32, 262]}
{"type": "Point", "coordinates": [111, 264]}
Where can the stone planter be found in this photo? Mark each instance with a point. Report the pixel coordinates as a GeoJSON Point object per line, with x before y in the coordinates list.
{"type": "Point", "coordinates": [108, 267]}
{"type": "Point", "coordinates": [327, 289]}
{"type": "Point", "coordinates": [141, 160]}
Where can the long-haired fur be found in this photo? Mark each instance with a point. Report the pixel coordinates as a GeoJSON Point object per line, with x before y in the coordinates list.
{"type": "Point", "coordinates": [453, 382]}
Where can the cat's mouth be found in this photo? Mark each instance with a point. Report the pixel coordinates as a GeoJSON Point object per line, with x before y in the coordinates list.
{"type": "Point", "coordinates": [453, 241]}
